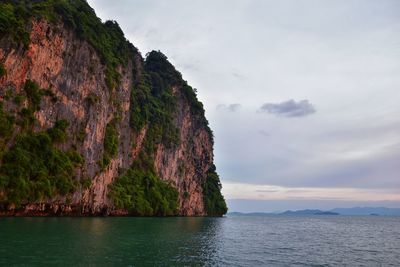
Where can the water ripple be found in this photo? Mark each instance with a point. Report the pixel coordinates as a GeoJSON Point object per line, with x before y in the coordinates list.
{"type": "Point", "coordinates": [231, 241]}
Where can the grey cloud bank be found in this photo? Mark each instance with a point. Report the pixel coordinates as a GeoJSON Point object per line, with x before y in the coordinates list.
{"type": "Point", "coordinates": [289, 108]}
{"type": "Point", "coordinates": [341, 56]}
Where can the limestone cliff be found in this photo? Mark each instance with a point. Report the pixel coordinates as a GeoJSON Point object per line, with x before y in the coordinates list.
{"type": "Point", "coordinates": [119, 116]}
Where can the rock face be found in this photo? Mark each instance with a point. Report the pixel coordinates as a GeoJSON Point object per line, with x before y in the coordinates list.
{"type": "Point", "coordinates": [187, 166]}
{"type": "Point", "coordinates": [68, 66]}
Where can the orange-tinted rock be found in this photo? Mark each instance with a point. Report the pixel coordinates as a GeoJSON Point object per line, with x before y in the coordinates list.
{"type": "Point", "coordinates": [68, 66]}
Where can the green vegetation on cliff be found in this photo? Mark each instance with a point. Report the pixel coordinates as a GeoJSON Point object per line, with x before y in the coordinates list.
{"type": "Point", "coordinates": [141, 192]}
{"type": "Point", "coordinates": [6, 125]}
{"type": "Point", "coordinates": [13, 21]}
{"type": "Point", "coordinates": [164, 76]}
{"type": "Point", "coordinates": [139, 189]}
{"type": "Point", "coordinates": [33, 168]}
{"type": "Point", "coordinates": [34, 94]}
{"type": "Point", "coordinates": [111, 144]}
{"type": "Point", "coordinates": [106, 38]}
{"type": "Point", "coordinates": [2, 70]}
{"type": "Point", "coordinates": [214, 202]}
{"type": "Point", "coordinates": [154, 105]}
{"type": "Point", "coordinates": [156, 110]}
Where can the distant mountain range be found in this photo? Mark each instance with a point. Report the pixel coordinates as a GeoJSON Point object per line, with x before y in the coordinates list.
{"type": "Point", "coordinates": [308, 212]}
{"type": "Point", "coordinates": [367, 211]}
{"type": "Point", "coordinates": [336, 211]}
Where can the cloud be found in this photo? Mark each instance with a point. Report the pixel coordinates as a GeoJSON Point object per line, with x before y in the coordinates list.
{"type": "Point", "coordinates": [289, 108]}
{"type": "Point", "coordinates": [238, 75]}
{"type": "Point", "coordinates": [264, 133]}
{"type": "Point", "coordinates": [317, 193]}
{"type": "Point", "coordinates": [231, 107]}
{"type": "Point", "coordinates": [266, 191]}
{"type": "Point", "coordinates": [191, 67]}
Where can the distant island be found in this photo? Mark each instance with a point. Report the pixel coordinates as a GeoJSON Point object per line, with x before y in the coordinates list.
{"type": "Point", "coordinates": [371, 211]}
{"type": "Point", "coordinates": [367, 211]}
{"type": "Point", "coordinates": [309, 212]}
{"type": "Point", "coordinates": [288, 212]}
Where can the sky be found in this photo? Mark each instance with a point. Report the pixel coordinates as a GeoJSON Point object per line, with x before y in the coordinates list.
{"type": "Point", "coordinates": [303, 96]}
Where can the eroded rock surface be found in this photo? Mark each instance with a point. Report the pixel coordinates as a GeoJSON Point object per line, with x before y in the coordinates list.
{"type": "Point", "coordinates": [68, 66]}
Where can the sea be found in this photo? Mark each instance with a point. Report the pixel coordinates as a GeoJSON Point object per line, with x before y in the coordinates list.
{"type": "Point", "coordinates": [314, 240]}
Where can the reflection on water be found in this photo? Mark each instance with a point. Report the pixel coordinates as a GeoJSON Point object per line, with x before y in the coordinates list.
{"type": "Point", "coordinates": [232, 241]}
{"type": "Point", "coordinates": [123, 241]}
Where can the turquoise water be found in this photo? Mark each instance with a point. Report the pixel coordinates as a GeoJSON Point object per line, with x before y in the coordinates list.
{"type": "Point", "coordinates": [230, 241]}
